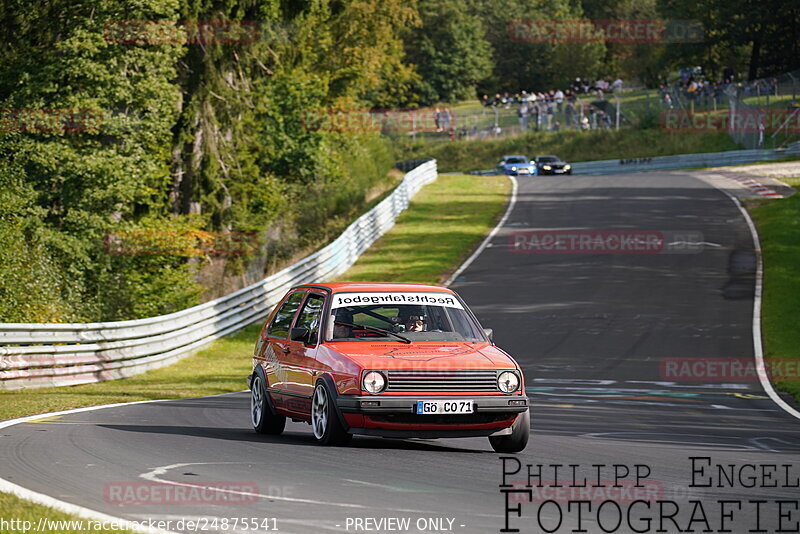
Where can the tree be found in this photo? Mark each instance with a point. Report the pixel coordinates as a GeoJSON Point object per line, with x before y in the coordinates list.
{"type": "Point", "coordinates": [449, 51]}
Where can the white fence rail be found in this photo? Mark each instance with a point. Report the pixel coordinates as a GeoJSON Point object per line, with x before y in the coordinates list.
{"type": "Point", "coordinates": [50, 354]}
{"type": "Point", "coordinates": [682, 161]}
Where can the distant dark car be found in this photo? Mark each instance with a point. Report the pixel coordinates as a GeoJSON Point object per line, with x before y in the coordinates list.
{"type": "Point", "coordinates": [515, 165]}
{"type": "Point", "coordinates": [551, 165]}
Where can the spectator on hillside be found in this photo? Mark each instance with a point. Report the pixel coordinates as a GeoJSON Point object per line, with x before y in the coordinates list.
{"type": "Point", "coordinates": [569, 114]}
{"type": "Point", "coordinates": [617, 85]}
{"type": "Point", "coordinates": [522, 114]}
{"type": "Point", "coordinates": [445, 118]}
{"type": "Point", "coordinates": [727, 75]}
{"type": "Point", "coordinates": [559, 96]}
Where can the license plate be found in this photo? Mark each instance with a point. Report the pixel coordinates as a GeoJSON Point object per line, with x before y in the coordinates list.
{"type": "Point", "coordinates": [429, 407]}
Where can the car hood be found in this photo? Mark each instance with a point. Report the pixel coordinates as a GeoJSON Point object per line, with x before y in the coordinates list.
{"type": "Point", "coordinates": [422, 355]}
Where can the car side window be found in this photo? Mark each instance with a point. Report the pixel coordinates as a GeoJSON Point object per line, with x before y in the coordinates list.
{"type": "Point", "coordinates": [283, 318]}
{"type": "Point", "coordinates": [311, 316]}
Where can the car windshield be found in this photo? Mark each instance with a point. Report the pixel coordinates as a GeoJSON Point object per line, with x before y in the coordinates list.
{"type": "Point", "coordinates": [548, 159]}
{"type": "Point", "coordinates": [415, 316]}
{"type": "Point", "coordinates": [517, 160]}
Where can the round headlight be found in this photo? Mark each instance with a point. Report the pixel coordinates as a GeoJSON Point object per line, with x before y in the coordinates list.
{"type": "Point", "coordinates": [508, 382]}
{"type": "Point", "coordinates": [374, 382]}
{"type": "Point", "coordinates": [513, 168]}
{"type": "Point", "coordinates": [568, 166]}
{"type": "Point", "coordinates": [547, 167]}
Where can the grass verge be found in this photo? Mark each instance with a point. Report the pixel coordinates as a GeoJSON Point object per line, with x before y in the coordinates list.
{"type": "Point", "coordinates": [778, 223]}
{"type": "Point", "coordinates": [571, 145]}
{"type": "Point", "coordinates": [221, 368]}
{"type": "Point", "coordinates": [444, 221]}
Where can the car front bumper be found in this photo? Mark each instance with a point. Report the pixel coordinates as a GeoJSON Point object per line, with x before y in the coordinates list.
{"type": "Point", "coordinates": [405, 403]}
{"type": "Point", "coordinates": [395, 416]}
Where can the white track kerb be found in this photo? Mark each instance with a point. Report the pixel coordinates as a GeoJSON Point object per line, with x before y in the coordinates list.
{"type": "Point", "coordinates": [485, 243]}
{"type": "Point", "coordinates": [758, 348]}
{"type": "Point", "coordinates": [62, 506]}
{"type": "Point", "coordinates": [80, 511]}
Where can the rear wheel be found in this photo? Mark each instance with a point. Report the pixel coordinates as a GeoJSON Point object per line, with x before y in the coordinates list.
{"type": "Point", "coordinates": [518, 439]}
{"type": "Point", "coordinates": [261, 416]}
{"type": "Point", "coordinates": [328, 430]}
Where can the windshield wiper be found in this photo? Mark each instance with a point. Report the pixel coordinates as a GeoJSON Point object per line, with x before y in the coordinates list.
{"type": "Point", "coordinates": [374, 329]}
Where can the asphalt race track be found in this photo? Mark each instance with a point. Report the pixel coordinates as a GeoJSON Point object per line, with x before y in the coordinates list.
{"type": "Point", "coordinates": [595, 334]}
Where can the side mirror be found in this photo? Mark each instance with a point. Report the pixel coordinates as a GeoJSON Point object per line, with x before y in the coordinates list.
{"type": "Point", "coordinates": [299, 334]}
{"type": "Point", "coordinates": [489, 333]}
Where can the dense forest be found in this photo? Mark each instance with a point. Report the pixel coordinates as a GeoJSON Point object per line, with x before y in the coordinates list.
{"type": "Point", "coordinates": [176, 118]}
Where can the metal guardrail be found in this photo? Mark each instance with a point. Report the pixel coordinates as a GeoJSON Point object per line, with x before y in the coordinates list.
{"type": "Point", "coordinates": [683, 161]}
{"type": "Point", "coordinates": [53, 354]}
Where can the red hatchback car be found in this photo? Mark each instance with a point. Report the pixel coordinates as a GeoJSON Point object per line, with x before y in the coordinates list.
{"type": "Point", "coordinates": [391, 360]}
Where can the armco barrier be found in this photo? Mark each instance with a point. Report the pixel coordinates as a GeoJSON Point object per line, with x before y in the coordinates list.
{"type": "Point", "coordinates": [52, 354]}
{"type": "Point", "coordinates": [683, 161]}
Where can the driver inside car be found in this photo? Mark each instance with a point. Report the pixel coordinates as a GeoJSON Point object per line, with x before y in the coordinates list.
{"type": "Point", "coordinates": [340, 330]}
{"type": "Point", "coordinates": [415, 323]}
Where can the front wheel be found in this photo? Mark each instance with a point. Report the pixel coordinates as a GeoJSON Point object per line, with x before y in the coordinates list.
{"type": "Point", "coordinates": [328, 430]}
{"type": "Point", "coordinates": [261, 416]}
{"type": "Point", "coordinates": [518, 439]}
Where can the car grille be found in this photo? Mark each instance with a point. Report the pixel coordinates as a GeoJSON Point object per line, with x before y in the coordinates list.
{"type": "Point", "coordinates": [461, 380]}
{"type": "Point", "coordinates": [439, 419]}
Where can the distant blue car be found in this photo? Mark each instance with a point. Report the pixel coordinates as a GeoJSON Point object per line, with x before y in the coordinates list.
{"type": "Point", "coordinates": [515, 166]}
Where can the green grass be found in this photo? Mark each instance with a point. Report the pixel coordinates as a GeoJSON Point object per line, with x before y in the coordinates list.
{"type": "Point", "coordinates": [464, 156]}
{"type": "Point", "coordinates": [778, 224]}
{"type": "Point", "coordinates": [221, 368]}
{"type": "Point", "coordinates": [22, 510]}
{"type": "Point", "coordinates": [445, 221]}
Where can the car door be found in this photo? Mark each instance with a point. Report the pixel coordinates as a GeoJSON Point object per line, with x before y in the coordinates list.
{"type": "Point", "coordinates": [276, 346]}
{"type": "Point", "coordinates": [301, 358]}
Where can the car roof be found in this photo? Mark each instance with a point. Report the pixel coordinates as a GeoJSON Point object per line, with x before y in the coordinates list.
{"type": "Point", "coordinates": [547, 156]}
{"type": "Point", "coordinates": [515, 156]}
{"type": "Point", "coordinates": [342, 287]}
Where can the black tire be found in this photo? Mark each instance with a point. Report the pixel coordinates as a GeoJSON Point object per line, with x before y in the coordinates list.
{"type": "Point", "coordinates": [325, 423]}
{"type": "Point", "coordinates": [569, 172]}
{"type": "Point", "coordinates": [518, 439]}
{"type": "Point", "coordinates": [264, 421]}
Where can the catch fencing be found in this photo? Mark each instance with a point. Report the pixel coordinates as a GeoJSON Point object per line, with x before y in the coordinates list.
{"type": "Point", "coordinates": [59, 354]}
